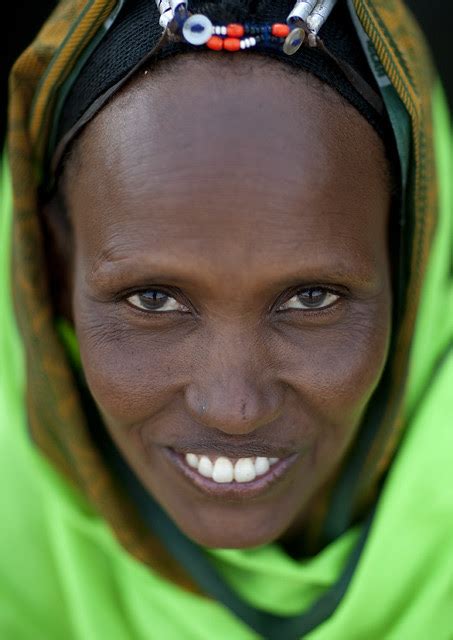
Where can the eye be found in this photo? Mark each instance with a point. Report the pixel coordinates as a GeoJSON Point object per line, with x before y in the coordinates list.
{"type": "Point", "coordinates": [155, 300]}
{"type": "Point", "coordinates": [310, 298]}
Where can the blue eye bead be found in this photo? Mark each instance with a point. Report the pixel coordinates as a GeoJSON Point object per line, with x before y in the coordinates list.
{"type": "Point", "coordinates": [294, 41]}
{"type": "Point", "coordinates": [197, 29]}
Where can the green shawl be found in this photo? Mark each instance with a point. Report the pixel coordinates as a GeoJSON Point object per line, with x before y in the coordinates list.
{"type": "Point", "coordinates": [78, 561]}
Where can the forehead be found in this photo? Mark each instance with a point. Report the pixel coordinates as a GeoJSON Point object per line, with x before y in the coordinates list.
{"type": "Point", "coordinates": [211, 158]}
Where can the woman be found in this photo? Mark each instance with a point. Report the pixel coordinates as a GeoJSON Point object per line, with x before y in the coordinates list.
{"type": "Point", "coordinates": [244, 221]}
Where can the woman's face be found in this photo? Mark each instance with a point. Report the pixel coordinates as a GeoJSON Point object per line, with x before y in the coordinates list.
{"type": "Point", "coordinates": [231, 290]}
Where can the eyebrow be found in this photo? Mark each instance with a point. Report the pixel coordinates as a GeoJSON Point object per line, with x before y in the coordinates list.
{"type": "Point", "coordinates": [109, 270]}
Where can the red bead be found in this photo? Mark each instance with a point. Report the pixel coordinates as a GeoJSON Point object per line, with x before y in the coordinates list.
{"type": "Point", "coordinates": [280, 30]}
{"type": "Point", "coordinates": [235, 30]}
{"type": "Point", "coordinates": [215, 43]}
{"type": "Point", "coordinates": [232, 44]}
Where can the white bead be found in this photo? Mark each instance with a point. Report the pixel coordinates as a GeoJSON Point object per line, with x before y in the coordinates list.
{"type": "Point", "coordinates": [197, 29]}
{"type": "Point", "coordinates": [163, 5]}
{"type": "Point", "coordinates": [252, 42]}
{"type": "Point", "coordinates": [242, 45]}
{"type": "Point", "coordinates": [223, 31]}
{"type": "Point", "coordinates": [166, 18]}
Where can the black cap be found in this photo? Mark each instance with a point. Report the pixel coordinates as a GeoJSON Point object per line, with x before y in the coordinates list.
{"type": "Point", "coordinates": [136, 32]}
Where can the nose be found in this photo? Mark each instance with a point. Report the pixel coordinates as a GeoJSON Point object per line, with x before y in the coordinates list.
{"type": "Point", "coordinates": [232, 387]}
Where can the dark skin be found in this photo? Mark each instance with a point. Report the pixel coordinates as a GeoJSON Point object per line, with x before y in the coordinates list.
{"type": "Point", "coordinates": [255, 203]}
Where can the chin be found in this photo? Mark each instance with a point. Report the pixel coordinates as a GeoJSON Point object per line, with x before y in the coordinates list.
{"type": "Point", "coordinates": [231, 539]}
{"type": "Point", "coordinates": [231, 526]}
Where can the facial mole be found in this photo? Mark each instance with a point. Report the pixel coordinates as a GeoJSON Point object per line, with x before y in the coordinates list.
{"type": "Point", "coordinates": [243, 410]}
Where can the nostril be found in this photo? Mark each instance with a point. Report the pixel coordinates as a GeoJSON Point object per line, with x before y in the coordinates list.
{"type": "Point", "coordinates": [234, 408]}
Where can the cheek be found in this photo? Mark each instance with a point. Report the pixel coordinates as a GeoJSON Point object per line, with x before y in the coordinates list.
{"type": "Point", "coordinates": [131, 372]}
{"type": "Point", "coordinates": [336, 369]}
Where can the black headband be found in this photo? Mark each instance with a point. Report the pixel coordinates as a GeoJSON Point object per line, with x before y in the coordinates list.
{"type": "Point", "coordinates": [136, 32]}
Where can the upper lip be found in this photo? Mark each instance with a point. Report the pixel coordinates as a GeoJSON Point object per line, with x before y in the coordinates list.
{"type": "Point", "coordinates": [237, 448]}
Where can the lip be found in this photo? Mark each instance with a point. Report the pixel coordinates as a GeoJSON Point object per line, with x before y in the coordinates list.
{"type": "Point", "coordinates": [232, 491]}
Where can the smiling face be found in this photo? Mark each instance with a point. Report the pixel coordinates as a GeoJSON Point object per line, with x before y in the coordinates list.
{"type": "Point", "coordinates": [231, 288]}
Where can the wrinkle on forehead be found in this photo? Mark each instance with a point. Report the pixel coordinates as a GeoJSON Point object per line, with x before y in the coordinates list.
{"type": "Point", "coordinates": [229, 169]}
{"type": "Point", "coordinates": [196, 97]}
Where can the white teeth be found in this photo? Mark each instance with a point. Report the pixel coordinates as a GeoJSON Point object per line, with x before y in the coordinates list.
{"type": "Point", "coordinates": [244, 470]}
{"type": "Point", "coordinates": [223, 470]}
{"type": "Point", "coordinates": [192, 460]}
{"type": "Point", "coordinates": [205, 467]}
{"type": "Point", "coordinates": [261, 466]}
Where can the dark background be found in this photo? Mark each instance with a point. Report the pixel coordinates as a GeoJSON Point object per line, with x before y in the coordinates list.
{"type": "Point", "coordinates": [26, 16]}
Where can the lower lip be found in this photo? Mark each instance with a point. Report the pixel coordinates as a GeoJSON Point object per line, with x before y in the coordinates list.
{"type": "Point", "coordinates": [233, 490]}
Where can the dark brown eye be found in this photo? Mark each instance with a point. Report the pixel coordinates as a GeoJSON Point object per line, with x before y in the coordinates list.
{"type": "Point", "coordinates": [310, 298]}
{"type": "Point", "coordinates": [155, 300]}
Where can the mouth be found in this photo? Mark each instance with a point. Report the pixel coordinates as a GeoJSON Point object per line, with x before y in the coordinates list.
{"type": "Point", "coordinates": [230, 478]}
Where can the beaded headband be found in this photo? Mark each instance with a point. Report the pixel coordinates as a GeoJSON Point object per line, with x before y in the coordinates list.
{"type": "Point", "coordinates": [302, 24]}
{"type": "Point", "coordinates": [135, 36]}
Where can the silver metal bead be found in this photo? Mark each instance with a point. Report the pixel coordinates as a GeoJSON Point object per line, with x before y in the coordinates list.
{"type": "Point", "coordinates": [320, 14]}
{"type": "Point", "coordinates": [293, 41]}
{"type": "Point", "coordinates": [301, 11]}
{"type": "Point", "coordinates": [197, 29]}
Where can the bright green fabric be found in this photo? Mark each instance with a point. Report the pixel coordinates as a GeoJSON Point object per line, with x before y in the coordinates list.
{"type": "Point", "coordinates": [64, 575]}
